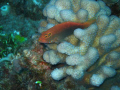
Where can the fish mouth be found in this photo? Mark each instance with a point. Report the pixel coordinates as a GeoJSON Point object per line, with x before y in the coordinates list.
{"type": "Point", "coordinates": [42, 41]}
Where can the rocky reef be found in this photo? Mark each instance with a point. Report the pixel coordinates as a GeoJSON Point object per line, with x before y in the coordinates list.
{"type": "Point", "coordinates": [88, 59]}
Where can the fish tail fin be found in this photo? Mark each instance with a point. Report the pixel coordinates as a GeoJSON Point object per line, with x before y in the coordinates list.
{"type": "Point", "coordinates": [92, 20]}
{"type": "Point", "coordinates": [89, 22]}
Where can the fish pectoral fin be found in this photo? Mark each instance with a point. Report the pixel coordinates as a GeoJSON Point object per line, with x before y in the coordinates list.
{"type": "Point", "coordinates": [55, 39]}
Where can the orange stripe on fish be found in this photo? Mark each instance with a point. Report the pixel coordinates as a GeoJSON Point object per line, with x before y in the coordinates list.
{"type": "Point", "coordinates": [62, 30]}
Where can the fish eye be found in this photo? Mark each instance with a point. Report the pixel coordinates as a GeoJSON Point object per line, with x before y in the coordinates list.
{"type": "Point", "coordinates": [46, 36]}
{"type": "Point", "coordinates": [49, 34]}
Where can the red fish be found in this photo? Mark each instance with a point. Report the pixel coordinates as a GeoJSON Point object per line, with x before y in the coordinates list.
{"type": "Point", "coordinates": [62, 30]}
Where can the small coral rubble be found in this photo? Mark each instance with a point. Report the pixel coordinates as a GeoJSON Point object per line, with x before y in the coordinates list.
{"type": "Point", "coordinates": [98, 48]}
{"type": "Point", "coordinates": [25, 68]}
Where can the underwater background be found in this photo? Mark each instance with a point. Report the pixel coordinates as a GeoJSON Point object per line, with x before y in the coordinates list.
{"type": "Point", "coordinates": [86, 59]}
